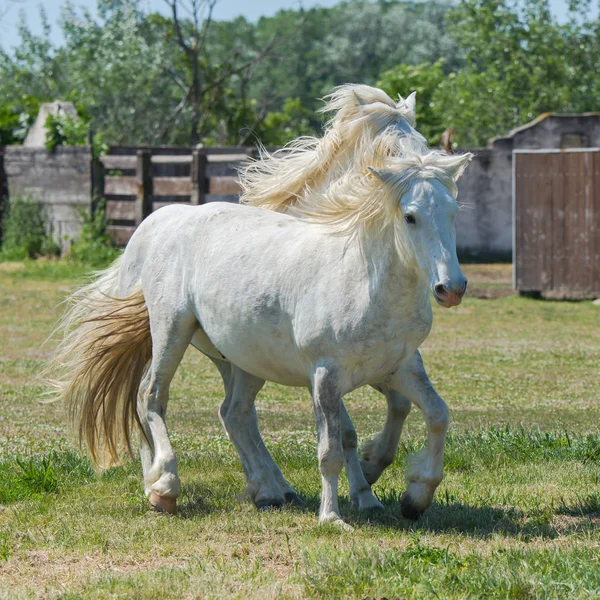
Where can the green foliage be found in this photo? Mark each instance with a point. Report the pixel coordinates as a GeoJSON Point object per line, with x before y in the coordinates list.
{"type": "Point", "coordinates": [425, 79]}
{"type": "Point", "coordinates": [21, 478]}
{"type": "Point", "coordinates": [292, 121]}
{"type": "Point", "coordinates": [65, 130]}
{"type": "Point", "coordinates": [128, 76]}
{"type": "Point", "coordinates": [38, 475]}
{"type": "Point", "coordinates": [519, 63]}
{"type": "Point", "coordinates": [94, 246]}
{"type": "Point", "coordinates": [15, 119]}
{"type": "Point", "coordinates": [26, 231]}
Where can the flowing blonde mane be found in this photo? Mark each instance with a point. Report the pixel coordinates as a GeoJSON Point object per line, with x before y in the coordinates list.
{"type": "Point", "coordinates": [361, 114]}
{"type": "Point", "coordinates": [366, 199]}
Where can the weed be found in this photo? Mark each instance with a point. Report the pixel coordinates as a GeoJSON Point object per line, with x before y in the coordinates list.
{"type": "Point", "coordinates": [26, 231]}
{"type": "Point", "coordinates": [94, 246]}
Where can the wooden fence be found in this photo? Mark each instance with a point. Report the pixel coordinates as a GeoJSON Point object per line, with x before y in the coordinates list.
{"type": "Point", "coordinates": [135, 182]}
{"type": "Point", "coordinates": [556, 224]}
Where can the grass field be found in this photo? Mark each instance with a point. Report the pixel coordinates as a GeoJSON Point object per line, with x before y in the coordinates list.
{"type": "Point", "coordinates": [517, 515]}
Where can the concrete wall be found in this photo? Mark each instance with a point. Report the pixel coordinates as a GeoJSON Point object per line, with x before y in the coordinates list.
{"type": "Point", "coordinates": [60, 179]}
{"type": "Point", "coordinates": [484, 225]}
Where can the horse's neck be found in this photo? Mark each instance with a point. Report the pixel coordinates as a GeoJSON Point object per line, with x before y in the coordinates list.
{"type": "Point", "coordinates": [391, 278]}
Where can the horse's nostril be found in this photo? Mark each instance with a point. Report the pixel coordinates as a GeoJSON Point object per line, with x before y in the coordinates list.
{"type": "Point", "coordinates": [440, 290]}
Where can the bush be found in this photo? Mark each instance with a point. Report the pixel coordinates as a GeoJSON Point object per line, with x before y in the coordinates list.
{"type": "Point", "coordinates": [66, 130]}
{"type": "Point", "coordinates": [26, 232]}
{"type": "Point", "coordinates": [95, 247]}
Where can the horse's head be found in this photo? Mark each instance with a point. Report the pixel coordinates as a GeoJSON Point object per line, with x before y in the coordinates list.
{"type": "Point", "coordinates": [423, 196]}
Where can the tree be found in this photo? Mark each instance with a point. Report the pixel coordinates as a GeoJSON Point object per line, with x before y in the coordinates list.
{"type": "Point", "coordinates": [425, 79]}
{"type": "Point", "coordinates": [28, 77]}
{"type": "Point", "coordinates": [120, 73]}
{"type": "Point", "coordinates": [208, 79]}
{"type": "Point", "coordinates": [519, 63]}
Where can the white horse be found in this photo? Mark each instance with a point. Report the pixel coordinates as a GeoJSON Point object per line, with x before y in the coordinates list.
{"type": "Point", "coordinates": [333, 301]}
{"type": "Point", "coordinates": [286, 181]}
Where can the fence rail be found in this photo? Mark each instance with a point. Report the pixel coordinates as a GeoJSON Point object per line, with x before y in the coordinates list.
{"type": "Point", "coordinates": [136, 182]}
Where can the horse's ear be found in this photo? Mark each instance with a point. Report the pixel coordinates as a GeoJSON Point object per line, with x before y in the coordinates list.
{"type": "Point", "coordinates": [411, 102]}
{"type": "Point", "coordinates": [457, 163]}
{"type": "Point", "coordinates": [382, 174]}
{"type": "Point", "coordinates": [358, 99]}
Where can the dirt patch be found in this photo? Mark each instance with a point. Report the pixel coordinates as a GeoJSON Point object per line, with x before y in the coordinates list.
{"type": "Point", "coordinates": [490, 292]}
{"type": "Point", "coordinates": [569, 523]}
{"type": "Point", "coordinates": [11, 267]}
{"type": "Point", "coordinates": [489, 281]}
{"type": "Point", "coordinates": [51, 571]}
{"type": "Point", "coordinates": [488, 273]}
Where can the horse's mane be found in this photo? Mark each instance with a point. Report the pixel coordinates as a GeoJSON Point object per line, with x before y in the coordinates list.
{"type": "Point", "coordinates": [361, 113]}
{"type": "Point", "coordinates": [367, 198]}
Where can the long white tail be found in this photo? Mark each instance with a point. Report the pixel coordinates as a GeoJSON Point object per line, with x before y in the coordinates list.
{"type": "Point", "coordinates": [98, 366]}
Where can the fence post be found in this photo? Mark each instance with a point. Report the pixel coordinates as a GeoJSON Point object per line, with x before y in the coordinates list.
{"type": "Point", "coordinates": [143, 174]}
{"type": "Point", "coordinates": [198, 176]}
{"type": "Point", "coordinates": [97, 183]}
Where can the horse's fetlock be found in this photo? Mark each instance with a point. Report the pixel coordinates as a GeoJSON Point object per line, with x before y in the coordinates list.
{"type": "Point", "coordinates": [168, 484]}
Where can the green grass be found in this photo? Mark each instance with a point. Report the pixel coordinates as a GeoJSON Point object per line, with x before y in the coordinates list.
{"type": "Point", "coordinates": [517, 515]}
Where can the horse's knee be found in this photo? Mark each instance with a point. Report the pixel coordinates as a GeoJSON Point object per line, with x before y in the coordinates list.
{"type": "Point", "coordinates": [438, 416]}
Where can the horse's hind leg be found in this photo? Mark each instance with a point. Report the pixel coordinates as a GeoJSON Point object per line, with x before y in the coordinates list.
{"type": "Point", "coordinates": [377, 454]}
{"type": "Point", "coordinates": [266, 483]}
{"type": "Point", "coordinates": [170, 338]}
{"type": "Point", "coordinates": [360, 491]}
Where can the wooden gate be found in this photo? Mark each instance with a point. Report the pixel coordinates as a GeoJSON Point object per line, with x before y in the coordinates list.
{"type": "Point", "coordinates": [556, 221]}
{"type": "Point", "coordinates": [135, 182]}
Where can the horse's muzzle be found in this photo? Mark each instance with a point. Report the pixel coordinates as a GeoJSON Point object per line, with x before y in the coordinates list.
{"type": "Point", "coordinates": [449, 295]}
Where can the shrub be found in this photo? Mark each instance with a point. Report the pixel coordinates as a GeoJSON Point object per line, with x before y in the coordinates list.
{"type": "Point", "coordinates": [66, 130]}
{"type": "Point", "coordinates": [94, 247]}
{"type": "Point", "coordinates": [26, 232]}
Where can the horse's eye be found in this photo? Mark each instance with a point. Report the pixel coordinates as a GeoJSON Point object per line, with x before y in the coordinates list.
{"type": "Point", "coordinates": [409, 219]}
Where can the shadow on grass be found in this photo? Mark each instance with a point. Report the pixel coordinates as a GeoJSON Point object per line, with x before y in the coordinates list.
{"type": "Point", "coordinates": [485, 521]}
{"type": "Point", "coordinates": [454, 517]}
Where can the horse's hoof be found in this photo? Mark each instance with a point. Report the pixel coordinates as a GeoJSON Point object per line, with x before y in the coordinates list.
{"type": "Point", "coordinates": [266, 504]}
{"type": "Point", "coordinates": [342, 525]}
{"type": "Point", "coordinates": [409, 509]}
{"type": "Point", "coordinates": [294, 499]}
{"type": "Point", "coordinates": [163, 504]}
{"type": "Point", "coordinates": [374, 508]}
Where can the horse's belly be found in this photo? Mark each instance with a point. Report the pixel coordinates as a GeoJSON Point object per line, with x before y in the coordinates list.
{"type": "Point", "coordinates": [267, 354]}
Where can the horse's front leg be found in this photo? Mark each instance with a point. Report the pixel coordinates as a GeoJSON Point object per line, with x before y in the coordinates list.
{"type": "Point", "coordinates": [427, 469]}
{"type": "Point", "coordinates": [379, 453]}
{"type": "Point", "coordinates": [327, 400]}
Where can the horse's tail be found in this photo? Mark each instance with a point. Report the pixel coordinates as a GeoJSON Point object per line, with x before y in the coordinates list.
{"type": "Point", "coordinates": [98, 366]}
